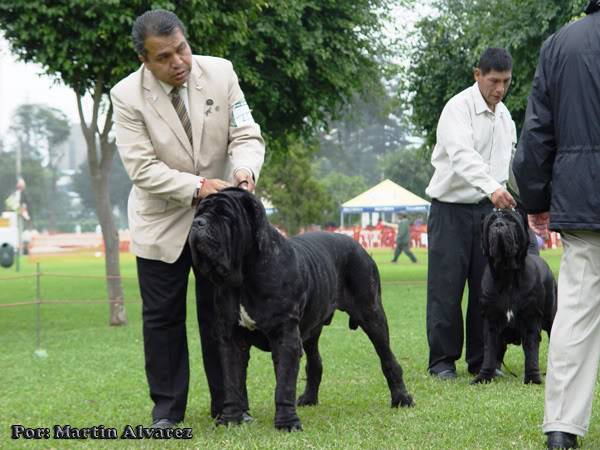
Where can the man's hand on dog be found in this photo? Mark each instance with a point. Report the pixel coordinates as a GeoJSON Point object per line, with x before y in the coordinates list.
{"type": "Point", "coordinates": [502, 199]}
{"type": "Point", "coordinates": [539, 223]}
{"type": "Point", "coordinates": [210, 186]}
{"type": "Point", "coordinates": [243, 179]}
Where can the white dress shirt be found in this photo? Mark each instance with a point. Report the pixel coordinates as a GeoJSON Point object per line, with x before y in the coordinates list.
{"type": "Point", "coordinates": [473, 150]}
{"type": "Point", "coordinates": [183, 93]}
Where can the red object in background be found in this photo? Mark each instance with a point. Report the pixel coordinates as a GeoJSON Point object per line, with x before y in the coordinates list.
{"type": "Point", "coordinates": [385, 237]}
{"type": "Point", "coordinates": [415, 234]}
{"type": "Point", "coordinates": [388, 237]}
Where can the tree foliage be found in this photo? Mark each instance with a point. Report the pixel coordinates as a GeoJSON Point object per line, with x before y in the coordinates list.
{"type": "Point", "coordinates": [340, 188]}
{"type": "Point", "coordinates": [367, 129]}
{"type": "Point", "coordinates": [34, 174]}
{"type": "Point", "coordinates": [119, 186]}
{"type": "Point", "coordinates": [37, 132]}
{"type": "Point", "coordinates": [288, 182]}
{"type": "Point", "coordinates": [410, 168]}
{"type": "Point", "coordinates": [298, 61]}
{"type": "Point", "coordinates": [452, 40]}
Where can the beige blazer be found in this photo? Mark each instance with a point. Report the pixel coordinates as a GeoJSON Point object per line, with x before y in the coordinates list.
{"type": "Point", "coordinates": [160, 160]}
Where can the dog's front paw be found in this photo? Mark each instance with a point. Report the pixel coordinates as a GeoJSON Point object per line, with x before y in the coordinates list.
{"type": "Point", "coordinates": [404, 399]}
{"type": "Point", "coordinates": [229, 419]}
{"type": "Point", "coordinates": [290, 425]}
{"type": "Point", "coordinates": [532, 378]}
{"type": "Point", "coordinates": [307, 400]}
{"type": "Point", "coordinates": [482, 378]}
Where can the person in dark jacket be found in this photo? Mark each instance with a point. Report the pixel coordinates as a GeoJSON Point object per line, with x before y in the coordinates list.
{"type": "Point", "coordinates": [556, 166]}
{"type": "Point", "coordinates": [403, 240]}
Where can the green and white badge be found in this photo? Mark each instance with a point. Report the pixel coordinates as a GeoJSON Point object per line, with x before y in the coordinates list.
{"type": "Point", "coordinates": [240, 114]}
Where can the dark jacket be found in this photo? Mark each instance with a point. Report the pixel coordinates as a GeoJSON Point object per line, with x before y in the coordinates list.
{"type": "Point", "coordinates": [403, 235]}
{"type": "Point", "coordinates": [557, 164]}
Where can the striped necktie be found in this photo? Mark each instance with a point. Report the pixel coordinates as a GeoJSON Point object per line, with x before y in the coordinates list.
{"type": "Point", "coordinates": [181, 112]}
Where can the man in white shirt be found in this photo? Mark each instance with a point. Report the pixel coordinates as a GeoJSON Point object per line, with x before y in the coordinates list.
{"type": "Point", "coordinates": [475, 140]}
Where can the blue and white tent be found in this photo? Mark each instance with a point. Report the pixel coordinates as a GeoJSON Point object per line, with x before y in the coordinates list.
{"type": "Point", "coordinates": [386, 197]}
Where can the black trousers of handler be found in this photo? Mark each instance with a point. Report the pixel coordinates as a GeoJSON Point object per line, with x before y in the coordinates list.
{"type": "Point", "coordinates": [455, 257]}
{"type": "Point", "coordinates": [163, 288]}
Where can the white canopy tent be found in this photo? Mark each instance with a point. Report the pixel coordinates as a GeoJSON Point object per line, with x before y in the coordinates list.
{"type": "Point", "coordinates": [387, 196]}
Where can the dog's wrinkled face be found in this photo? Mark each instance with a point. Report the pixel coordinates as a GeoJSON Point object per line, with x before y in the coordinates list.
{"type": "Point", "coordinates": [504, 236]}
{"type": "Point", "coordinates": [223, 232]}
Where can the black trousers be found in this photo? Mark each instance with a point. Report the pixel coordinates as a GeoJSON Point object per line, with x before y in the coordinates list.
{"type": "Point", "coordinates": [455, 257]}
{"type": "Point", "coordinates": [163, 288]}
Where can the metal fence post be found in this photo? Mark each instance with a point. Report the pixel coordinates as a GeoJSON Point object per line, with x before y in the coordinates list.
{"type": "Point", "coordinates": [39, 352]}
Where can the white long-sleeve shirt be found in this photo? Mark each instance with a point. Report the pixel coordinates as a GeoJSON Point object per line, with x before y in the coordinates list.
{"type": "Point", "coordinates": [473, 150]}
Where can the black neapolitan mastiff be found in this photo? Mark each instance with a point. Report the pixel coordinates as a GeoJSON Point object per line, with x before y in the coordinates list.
{"type": "Point", "coordinates": [277, 294]}
{"type": "Point", "coordinates": [518, 293]}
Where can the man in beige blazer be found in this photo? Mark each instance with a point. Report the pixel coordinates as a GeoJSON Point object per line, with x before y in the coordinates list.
{"type": "Point", "coordinates": [183, 131]}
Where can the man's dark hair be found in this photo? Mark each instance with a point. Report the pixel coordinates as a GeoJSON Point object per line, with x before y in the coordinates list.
{"type": "Point", "coordinates": [497, 59]}
{"type": "Point", "coordinates": [592, 7]}
{"type": "Point", "coordinates": [156, 22]}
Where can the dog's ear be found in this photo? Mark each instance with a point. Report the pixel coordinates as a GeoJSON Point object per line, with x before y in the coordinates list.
{"type": "Point", "coordinates": [485, 220]}
{"type": "Point", "coordinates": [258, 218]}
{"type": "Point", "coordinates": [193, 249]}
{"type": "Point", "coordinates": [523, 227]}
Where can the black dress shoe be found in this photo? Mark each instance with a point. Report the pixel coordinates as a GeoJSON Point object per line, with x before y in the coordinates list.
{"type": "Point", "coordinates": [560, 439]}
{"type": "Point", "coordinates": [497, 372]}
{"type": "Point", "coordinates": [447, 374]}
{"type": "Point", "coordinates": [163, 423]}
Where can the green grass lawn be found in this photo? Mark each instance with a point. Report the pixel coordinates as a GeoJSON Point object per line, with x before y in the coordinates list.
{"type": "Point", "coordinates": [94, 375]}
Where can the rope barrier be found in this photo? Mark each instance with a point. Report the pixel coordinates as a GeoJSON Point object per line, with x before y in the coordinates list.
{"type": "Point", "coordinates": [91, 277]}
{"type": "Point", "coordinates": [18, 277]}
{"type": "Point", "coordinates": [66, 275]}
{"type": "Point", "coordinates": [69, 302]}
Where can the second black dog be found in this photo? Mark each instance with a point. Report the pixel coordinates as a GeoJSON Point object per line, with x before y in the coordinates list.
{"type": "Point", "coordinates": [278, 293]}
{"type": "Point", "coordinates": [518, 294]}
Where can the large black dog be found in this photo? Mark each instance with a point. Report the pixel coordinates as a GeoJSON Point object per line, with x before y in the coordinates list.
{"type": "Point", "coordinates": [278, 293]}
{"type": "Point", "coordinates": [518, 293]}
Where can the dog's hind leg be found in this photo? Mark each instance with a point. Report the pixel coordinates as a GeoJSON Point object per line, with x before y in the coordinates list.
{"type": "Point", "coordinates": [375, 325]}
{"type": "Point", "coordinates": [531, 349]}
{"type": "Point", "coordinates": [501, 352]}
{"type": "Point", "coordinates": [244, 359]}
{"type": "Point", "coordinates": [314, 371]}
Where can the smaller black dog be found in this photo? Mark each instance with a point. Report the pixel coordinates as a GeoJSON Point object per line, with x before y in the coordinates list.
{"type": "Point", "coordinates": [518, 293]}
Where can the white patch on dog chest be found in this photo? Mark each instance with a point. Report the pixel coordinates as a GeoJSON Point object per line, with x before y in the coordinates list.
{"type": "Point", "coordinates": [509, 316]}
{"type": "Point", "coordinates": [245, 319]}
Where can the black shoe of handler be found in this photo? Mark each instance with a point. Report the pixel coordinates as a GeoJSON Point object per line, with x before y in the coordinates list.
{"type": "Point", "coordinates": [560, 439]}
{"type": "Point", "coordinates": [447, 374]}
{"type": "Point", "coordinates": [163, 424]}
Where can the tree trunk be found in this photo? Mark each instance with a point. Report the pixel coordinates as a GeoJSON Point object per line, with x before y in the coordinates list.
{"type": "Point", "coordinates": [100, 165]}
{"type": "Point", "coordinates": [110, 235]}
